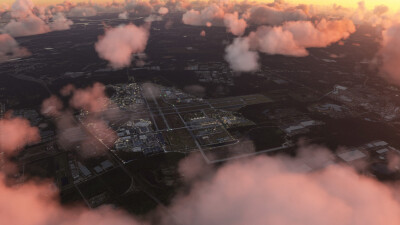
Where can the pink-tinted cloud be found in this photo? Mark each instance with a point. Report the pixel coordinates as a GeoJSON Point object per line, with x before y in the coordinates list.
{"type": "Point", "coordinates": [201, 18]}
{"type": "Point", "coordinates": [101, 131]}
{"type": "Point", "coordinates": [139, 8]}
{"type": "Point", "coordinates": [27, 26]}
{"type": "Point", "coordinates": [152, 18]}
{"type": "Point", "coordinates": [30, 20]}
{"type": "Point", "coordinates": [60, 22]}
{"type": "Point", "coordinates": [380, 10]}
{"type": "Point", "coordinates": [378, 17]}
{"type": "Point", "coordinates": [22, 8]}
{"type": "Point", "coordinates": [235, 25]}
{"type": "Point", "coordinates": [82, 11]}
{"type": "Point", "coordinates": [118, 44]}
{"type": "Point", "coordinates": [194, 168]}
{"type": "Point", "coordinates": [321, 34]}
{"type": "Point", "coordinates": [390, 53]}
{"type": "Point", "coordinates": [124, 15]}
{"type": "Point", "coordinates": [150, 90]}
{"type": "Point", "coordinates": [260, 190]}
{"type": "Point", "coordinates": [34, 203]}
{"type": "Point", "coordinates": [15, 133]}
{"type": "Point", "coordinates": [52, 107]}
{"type": "Point", "coordinates": [240, 57]}
{"type": "Point", "coordinates": [9, 48]}
{"type": "Point", "coordinates": [92, 99]}
{"type": "Point", "coordinates": [25, 22]}
{"type": "Point", "coordinates": [67, 90]}
{"type": "Point", "coordinates": [4, 7]}
{"type": "Point", "coordinates": [91, 132]}
{"type": "Point", "coordinates": [275, 190]}
{"type": "Point", "coordinates": [292, 38]}
{"type": "Point", "coordinates": [192, 17]}
{"type": "Point", "coordinates": [276, 40]}
{"type": "Point", "coordinates": [275, 16]}
{"type": "Point", "coordinates": [163, 11]}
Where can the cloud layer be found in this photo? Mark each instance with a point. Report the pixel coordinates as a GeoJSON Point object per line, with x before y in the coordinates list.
{"type": "Point", "coordinates": [239, 56]}
{"type": "Point", "coordinates": [290, 39]}
{"type": "Point", "coordinates": [389, 53]}
{"type": "Point", "coordinates": [91, 127]}
{"type": "Point", "coordinates": [258, 190]}
{"type": "Point", "coordinates": [15, 133]}
{"type": "Point", "coordinates": [35, 203]}
{"type": "Point", "coordinates": [118, 44]}
{"type": "Point", "coordinates": [275, 190]}
{"type": "Point", "coordinates": [275, 16]}
{"type": "Point", "coordinates": [9, 48]}
{"type": "Point", "coordinates": [29, 20]}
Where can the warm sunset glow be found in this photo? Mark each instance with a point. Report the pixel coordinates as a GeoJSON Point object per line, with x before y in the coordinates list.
{"type": "Point", "coordinates": [394, 5]}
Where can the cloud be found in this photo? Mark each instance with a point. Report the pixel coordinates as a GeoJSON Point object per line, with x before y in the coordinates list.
{"type": "Point", "coordinates": [118, 44]}
{"type": "Point", "coordinates": [321, 34]}
{"type": "Point", "coordinates": [67, 90]}
{"type": "Point", "coordinates": [4, 7]}
{"type": "Point", "coordinates": [30, 20]}
{"type": "Point", "coordinates": [9, 48]}
{"type": "Point", "coordinates": [235, 25]}
{"type": "Point", "coordinates": [275, 16]}
{"type": "Point", "coordinates": [91, 127]}
{"type": "Point", "coordinates": [92, 99]}
{"type": "Point", "coordinates": [277, 190]}
{"type": "Point", "coordinates": [99, 128]}
{"type": "Point", "coordinates": [60, 22]}
{"type": "Point", "coordinates": [82, 11]}
{"type": "Point", "coordinates": [52, 107]}
{"type": "Point", "coordinates": [152, 18]}
{"type": "Point", "coordinates": [276, 40]}
{"type": "Point", "coordinates": [292, 38]}
{"type": "Point", "coordinates": [163, 11]}
{"type": "Point", "coordinates": [240, 57]}
{"type": "Point", "coordinates": [192, 17]}
{"type": "Point", "coordinates": [305, 190]}
{"type": "Point", "coordinates": [62, 7]}
{"type": "Point", "coordinates": [150, 90]}
{"type": "Point", "coordinates": [30, 25]}
{"type": "Point", "coordinates": [389, 53]}
{"type": "Point", "coordinates": [361, 5]}
{"type": "Point", "coordinates": [193, 168]}
{"type": "Point", "coordinates": [36, 202]}
{"type": "Point", "coordinates": [201, 18]}
{"type": "Point", "coordinates": [377, 17]}
{"type": "Point", "coordinates": [25, 22]}
{"type": "Point", "coordinates": [380, 10]}
{"type": "Point", "coordinates": [106, 7]}
{"type": "Point", "coordinates": [124, 15]}
{"type": "Point", "coordinates": [15, 133]}
{"type": "Point", "coordinates": [22, 8]}
{"type": "Point", "coordinates": [139, 8]}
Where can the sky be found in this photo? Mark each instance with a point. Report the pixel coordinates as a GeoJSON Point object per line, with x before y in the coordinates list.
{"type": "Point", "coordinates": [394, 5]}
